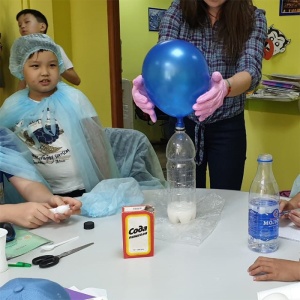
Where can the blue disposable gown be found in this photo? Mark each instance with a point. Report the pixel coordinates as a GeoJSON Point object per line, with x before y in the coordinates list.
{"type": "Point", "coordinates": [16, 160]}
{"type": "Point", "coordinates": [100, 154]}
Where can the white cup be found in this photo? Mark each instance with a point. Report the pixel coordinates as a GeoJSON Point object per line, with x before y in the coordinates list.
{"type": "Point", "coordinates": [276, 296]}
{"type": "Point", "coordinates": [3, 261]}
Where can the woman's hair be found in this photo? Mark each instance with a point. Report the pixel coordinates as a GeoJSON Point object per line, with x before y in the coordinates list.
{"type": "Point", "coordinates": [235, 22]}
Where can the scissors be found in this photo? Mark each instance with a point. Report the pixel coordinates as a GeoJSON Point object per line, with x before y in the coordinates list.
{"type": "Point", "coordinates": [47, 261]}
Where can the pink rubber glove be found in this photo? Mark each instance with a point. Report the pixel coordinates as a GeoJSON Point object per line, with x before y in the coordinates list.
{"type": "Point", "coordinates": [207, 103]}
{"type": "Point", "coordinates": [141, 99]}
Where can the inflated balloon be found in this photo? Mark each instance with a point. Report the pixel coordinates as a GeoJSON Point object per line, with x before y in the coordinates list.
{"type": "Point", "coordinates": [175, 74]}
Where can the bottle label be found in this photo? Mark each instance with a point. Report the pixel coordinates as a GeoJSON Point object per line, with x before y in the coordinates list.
{"type": "Point", "coordinates": [263, 226]}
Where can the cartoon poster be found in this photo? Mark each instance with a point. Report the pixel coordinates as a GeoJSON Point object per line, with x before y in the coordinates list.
{"type": "Point", "coordinates": [276, 43]}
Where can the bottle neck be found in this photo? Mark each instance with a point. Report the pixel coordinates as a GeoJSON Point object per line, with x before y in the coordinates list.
{"type": "Point", "coordinates": [179, 129]}
{"type": "Point", "coordinates": [179, 124]}
{"type": "Point", "coordinates": [264, 170]}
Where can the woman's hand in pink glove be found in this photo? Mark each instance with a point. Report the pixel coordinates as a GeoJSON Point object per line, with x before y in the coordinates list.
{"type": "Point", "coordinates": [141, 99]}
{"type": "Point", "coordinates": [207, 103]}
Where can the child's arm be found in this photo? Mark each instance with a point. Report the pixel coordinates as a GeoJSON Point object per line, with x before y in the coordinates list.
{"type": "Point", "coordinates": [265, 268]}
{"type": "Point", "coordinates": [74, 204]}
{"type": "Point", "coordinates": [29, 214]}
{"type": "Point", "coordinates": [32, 191]}
{"type": "Point", "coordinates": [71, 76]}
{"type": "Point", "coordinates": [294, 203]}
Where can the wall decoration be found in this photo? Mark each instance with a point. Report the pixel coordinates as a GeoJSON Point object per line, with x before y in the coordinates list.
{"type": "Point", "coordinates": [276, 43]}
{"type": "Point", "coordinates": [289, 7]}
{"type": "Point", "coordinates": [154, 17]}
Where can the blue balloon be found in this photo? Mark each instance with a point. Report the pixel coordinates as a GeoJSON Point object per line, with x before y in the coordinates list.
{"type": "Point", "coordinates": [175, 74]}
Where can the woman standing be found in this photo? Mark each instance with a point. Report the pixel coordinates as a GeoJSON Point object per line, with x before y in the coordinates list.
{"type": "Point", "coordinates": [231, 35]}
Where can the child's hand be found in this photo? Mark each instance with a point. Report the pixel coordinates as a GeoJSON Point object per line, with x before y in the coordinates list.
{"type": "Point", "coordinates": [29, 214]}
{"type": "Point", "coordinates": [294, 203]}
{"type": "Point", "coordinates": [265, 268]}
{"type": "Point", "coordinates": [286, 205]}
{"type": "Point", "coordinates": [294, 216]}
{"type": "Point", "coordinates": [75, 206]}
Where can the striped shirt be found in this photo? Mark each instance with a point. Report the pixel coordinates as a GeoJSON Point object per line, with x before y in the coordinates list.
{"type": "Point", "coordinates": [173, 26]}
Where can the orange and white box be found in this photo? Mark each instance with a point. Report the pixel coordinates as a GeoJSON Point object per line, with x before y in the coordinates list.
{"type": "Point", "coordinates": [138, 231]}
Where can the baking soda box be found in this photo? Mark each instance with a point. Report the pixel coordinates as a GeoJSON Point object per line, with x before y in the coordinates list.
{"type": "Point", "coordinates": [138, 231]}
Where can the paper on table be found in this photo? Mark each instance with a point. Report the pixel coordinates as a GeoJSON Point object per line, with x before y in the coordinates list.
{"type": "Point", "coordinates": [76, 295]}
{"type": "Point", "coordinates": [24, 242]}
{"type": "Point", "coordinates": [292, 291]}
{"type": "Point", "coordinates": [288, 230]}
{"type": "Point", "coordinates": [95, 293]}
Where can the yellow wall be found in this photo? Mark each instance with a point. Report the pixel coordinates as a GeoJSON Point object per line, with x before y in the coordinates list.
{"type": "Point", "coordinates": [81, 29]}
{"type": "Point", "coordinates": [136, 42]}
{"type": "Point", "coordinates": [9, 31]}
{"type": "Point", "coordinates": [90, 53]}
{"type": "Point", "coordinates": [274, 127]}
{"type": "Point", "coordinates": [271, 126]}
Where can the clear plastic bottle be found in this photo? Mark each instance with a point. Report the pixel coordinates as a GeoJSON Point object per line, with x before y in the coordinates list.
{"type": "Point", "coordinates": [181, 173]}
{"type": "Point", "coordinates": [263, 218]}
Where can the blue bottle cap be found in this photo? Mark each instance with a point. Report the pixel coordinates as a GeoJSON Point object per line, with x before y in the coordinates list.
{"type": "Point", "coordinates": [265, 158]}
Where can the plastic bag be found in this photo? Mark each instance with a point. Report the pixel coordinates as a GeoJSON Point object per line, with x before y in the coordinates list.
{"type": "Point", "coordinates": [109, 196]}
{"type": "Point", "coordinates": [209, 209]}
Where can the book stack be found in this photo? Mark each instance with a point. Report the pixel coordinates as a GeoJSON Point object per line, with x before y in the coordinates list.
{"type": "Point", "coordinates": [278, 87]}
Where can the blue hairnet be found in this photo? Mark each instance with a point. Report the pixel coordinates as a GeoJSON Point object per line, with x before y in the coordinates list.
{"type": "Point", "coordinates": [26, 45]}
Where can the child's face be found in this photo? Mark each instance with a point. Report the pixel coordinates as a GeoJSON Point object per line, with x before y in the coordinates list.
{"type": "Point", "coordinates": [41, 73]}
{"type": "Point", "coordinates": [29, 24]}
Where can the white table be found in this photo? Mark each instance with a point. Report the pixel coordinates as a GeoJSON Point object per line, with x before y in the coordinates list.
{"type": "Point", "coordinates": [215, 270]}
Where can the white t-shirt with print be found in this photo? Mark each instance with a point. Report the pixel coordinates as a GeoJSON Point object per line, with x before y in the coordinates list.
{"type": "Point", "coordinates": [52, 157]}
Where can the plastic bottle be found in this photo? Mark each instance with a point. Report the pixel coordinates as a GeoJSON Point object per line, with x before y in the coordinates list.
{"type": "Point", "coordinates": [181, 173]}
{"type": "Point", "coordinates": [263, 218]}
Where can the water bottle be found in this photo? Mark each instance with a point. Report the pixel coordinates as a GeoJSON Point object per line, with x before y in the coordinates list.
{"type": "Point", "coordinates": [181, 171]}
{"type": "Point", "coordinates": [263, 218]}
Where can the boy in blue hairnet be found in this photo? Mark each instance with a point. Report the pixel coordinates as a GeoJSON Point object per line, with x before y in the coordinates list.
{"type": "Point", "coordinates": [62, 130]}
{"type": "Point", "coordinates": [56, 121]}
